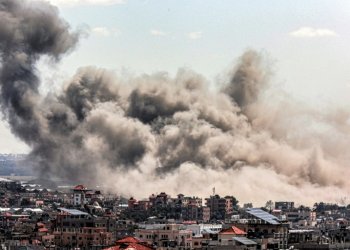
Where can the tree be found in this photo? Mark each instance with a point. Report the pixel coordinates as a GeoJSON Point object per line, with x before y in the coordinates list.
{"type": "Point", "coordinates": [234, 201]}
{"type": "Point", "coordinates": [269, 205]}
{"type": "Point", "coordinates": [248, 205]}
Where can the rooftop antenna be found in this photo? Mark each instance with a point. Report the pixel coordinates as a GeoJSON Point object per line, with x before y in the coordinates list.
{"type": "Point", "coordinates": [213, 191]}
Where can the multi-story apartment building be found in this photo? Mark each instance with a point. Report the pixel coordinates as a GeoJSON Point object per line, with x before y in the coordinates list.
{"type": "Point", "coordinates": [74, 228]}
{"type": "Point", "coordinates": [166, 236]}
{"type": "Point", "coordinates": [266, 229]}
{"type": "Point", "coordinates": [79, 195]}
{"type": "Point", "coordinates": [217, 207]}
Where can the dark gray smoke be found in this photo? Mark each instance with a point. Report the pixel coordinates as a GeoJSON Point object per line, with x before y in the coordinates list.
{"type": "Point", "coordinates": [163, 132]}
{"type": "Point", "coordinates": [248, 79]}
{"type": "Point", "coordinates": [27, 32]}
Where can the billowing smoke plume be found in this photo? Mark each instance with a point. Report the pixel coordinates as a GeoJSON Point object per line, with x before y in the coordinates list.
{"type": "Point", "coordinates": [248, 79]}
{"type": "Point", "coordinates": [154, 132]}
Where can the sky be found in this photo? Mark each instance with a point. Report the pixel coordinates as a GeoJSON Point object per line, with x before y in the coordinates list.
{"type": "Point", "coordinates": [307, 43]}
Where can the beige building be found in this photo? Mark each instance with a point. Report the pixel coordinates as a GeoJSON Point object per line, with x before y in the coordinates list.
{"type": "Point", "coordinates": [167, 236]}
{"type": "Point", "coordinates": [74, 228]}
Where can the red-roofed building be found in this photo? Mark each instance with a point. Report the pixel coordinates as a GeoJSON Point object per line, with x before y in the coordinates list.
{"type": "Point", "coordinates": [43, 230]}
{"type": "Point", "coordinates": [40, 224]}
{"type": "Point", "coordinates": [235, 231]}
{"type": "Point", "coordinates": [79, 188]}
{"type": "Point", "coordinates": [129, 239]}
{"type": "Point", "coordinates": [130, 243]}
{"type": "Point", "coordinates": [225, 235]}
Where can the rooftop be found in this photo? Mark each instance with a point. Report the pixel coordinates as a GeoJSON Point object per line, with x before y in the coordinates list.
{"type": "Point", "coordinates": [80, 188]}
{"type": "Point", "coordinates": [130, 243]}
{"type": "Point", "coordinates": [244, 240]}
{"type": "Point", "coordinates": [72, 211]}
{"type": "Point", "coordinates": [264, 216]}
{"type": "Point", "coordinates": [5, 180]}
{"type": "Point", "coordinates": [233, 230]}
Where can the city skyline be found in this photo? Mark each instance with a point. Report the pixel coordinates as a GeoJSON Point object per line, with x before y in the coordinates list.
{"type": "Point", "coordinates": [145, 95]}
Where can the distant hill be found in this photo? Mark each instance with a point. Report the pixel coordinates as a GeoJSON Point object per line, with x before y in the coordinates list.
{"type": "Point", "coordinates": [15, 164]}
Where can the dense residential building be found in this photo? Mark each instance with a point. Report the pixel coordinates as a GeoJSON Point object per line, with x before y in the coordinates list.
{"type": "Point", "coordinates": [79, 195]}
{"type": "Point", "coordinates": [284, 205]}
{"type": "Point", "coordinates": [74, 228]}
{"type": "Point", "coordinates": [221, 207]}
{"type": "Point", "coordinates": [217, 207]}
{"type": "Point", "coordinates": [35, 217]}
{"type": "Point", "coordinates": [166, 236]}
{"type": "Point", "coordinates": [265, 228]}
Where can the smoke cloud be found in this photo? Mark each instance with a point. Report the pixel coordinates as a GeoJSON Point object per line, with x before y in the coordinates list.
{"type": "Point", "coordinates": [155, 132]}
